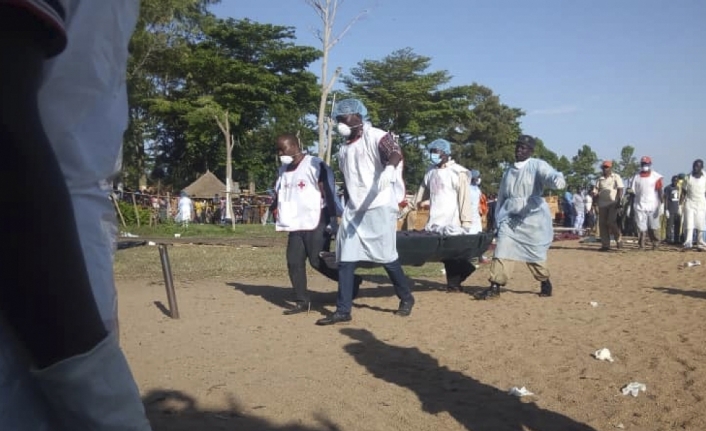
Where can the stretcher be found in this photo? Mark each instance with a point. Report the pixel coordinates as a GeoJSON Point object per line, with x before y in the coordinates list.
{"type": "Point", "coordinates": [415, 248]}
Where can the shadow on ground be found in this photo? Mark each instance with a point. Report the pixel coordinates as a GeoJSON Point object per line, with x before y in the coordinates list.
{"type": "Point", "coordinates": [699, 294]}
{"type": "Point", "coordinates": [476, 406]}
{"type": "Point", "coordinates": [170, 410]}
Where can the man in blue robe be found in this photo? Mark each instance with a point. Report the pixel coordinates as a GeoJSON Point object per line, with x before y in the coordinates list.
{"type": "Point", "coordinates": [523, 219]}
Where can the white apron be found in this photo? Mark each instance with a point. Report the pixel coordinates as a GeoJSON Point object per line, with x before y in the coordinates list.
{"type": "Point", "coordinates": [368, 229]}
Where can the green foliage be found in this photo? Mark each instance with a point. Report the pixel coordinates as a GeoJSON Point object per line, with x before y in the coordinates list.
{"type": "Point", "coordinates": [583, 168]}
{"type": "Point", "coordinates": [186, 67]}
{"type": "Point", "coordinates": [128, 212]}
{"type": "Point", "coordinates": [402, 96]}
{"type": "Point", "coordinates": [627, 166]}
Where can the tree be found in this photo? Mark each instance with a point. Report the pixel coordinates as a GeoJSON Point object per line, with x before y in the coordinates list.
{"type": "Point", "coordinates": [253, 71]}
{"type": "Point", "coordinates": [224, 125]}
{"type": "Point", "coordinates": [157, 47]}
{"type": "Point", "coordinates": [627, 165]}
{"type": "Point", "coordinates": [327, 10]}
{"type": "Point", "coordinates": [583, 168]}
{"type": "Point", "coordinates": [402, 96]}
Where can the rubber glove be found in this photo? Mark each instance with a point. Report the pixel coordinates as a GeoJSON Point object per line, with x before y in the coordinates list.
{"type": "Point", "coordinates": [332, 227]}
{"type": "Point", "coordinates": [94, 391]}
{"type": "Point", "coordinates": [386, 177]}
{"type": "Point", "coordinates": [559, 182]}
{"type": "Point", "coordinates": [658, 211]}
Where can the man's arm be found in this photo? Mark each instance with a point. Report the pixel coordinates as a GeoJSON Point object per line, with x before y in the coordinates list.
{"type": "Point", "coordinates": [390, 151]}
{"type": "Point", "coordinates": [45, 295]}
{"type": "Point", "coordinates": [620, 187]}
{"type": "Point", "coordinates": [326, 192]}
{"type": "Point", "coordinates": [464, 200]}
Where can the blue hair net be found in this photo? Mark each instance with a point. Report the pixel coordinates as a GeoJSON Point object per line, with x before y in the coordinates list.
{"type": "Point", "coordinates": [475, 173]}
{"type": "Point", "coordinates": [441, 145]}
{"type": "Point", "coordinates": [348, 107]}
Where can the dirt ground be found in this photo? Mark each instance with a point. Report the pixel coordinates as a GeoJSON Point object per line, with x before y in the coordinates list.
{"type": "Point", "coordinates": [234, 362]}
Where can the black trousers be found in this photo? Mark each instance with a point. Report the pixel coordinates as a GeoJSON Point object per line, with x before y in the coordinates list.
{"type": "Point", "coordinates": [674, 235]}
{"type": "Point", "coordinates": [457, 271]}
{"type": "Point", "coordinates": [303, 245]}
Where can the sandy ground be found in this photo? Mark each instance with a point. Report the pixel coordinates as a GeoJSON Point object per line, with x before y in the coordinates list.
{"type": "Point", "coordinates": [234, 362]}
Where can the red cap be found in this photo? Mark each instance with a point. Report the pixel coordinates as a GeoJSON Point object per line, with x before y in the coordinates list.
{"type": "Point", "coordinates": [646, 159]}
{"type": "Point", "coordinates": [607, 164]}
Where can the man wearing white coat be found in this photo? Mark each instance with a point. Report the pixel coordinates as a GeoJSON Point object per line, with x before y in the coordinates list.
{"type": "Point", "coordinates": [694, 200]}
{"type": "Point", "coordinates": [371, 163]}
{"type": "Point", "coordinates": [447, 185]}
{"type": "Point", "coordinates": [524, 221]}
{"type": "Point", "coordinates": [647, 185]}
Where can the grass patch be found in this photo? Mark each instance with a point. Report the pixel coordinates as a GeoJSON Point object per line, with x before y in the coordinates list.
{"type": "Point", "coordinates": [204, 230]}
{"type": "Point", "coordinates": [197, 262]}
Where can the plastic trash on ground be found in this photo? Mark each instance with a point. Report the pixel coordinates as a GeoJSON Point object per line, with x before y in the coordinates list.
{"type": "Point", "coordinates": [603, 355]}
{"type": "Point", "coordinates": [520, 392]}
{"type": "Point", "coordinates": [593, 304]}
{"type": "Point", "coordinates": [634, 388]}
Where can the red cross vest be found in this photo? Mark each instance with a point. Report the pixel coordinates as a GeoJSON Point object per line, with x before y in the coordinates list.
{"type": "Point", "coordinates": [299, 199]}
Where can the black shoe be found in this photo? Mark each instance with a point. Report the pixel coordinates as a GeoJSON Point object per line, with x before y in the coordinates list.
{"type": "Point", "coordinates": [546, 289]}
{"type": "Point", "coordinates": [405, 308]}
{"type": "Point", "coordinates": [454, 289]}
{"type": "Point", "coordinates": [299, 307]}
{"type": "Point", "coordinates": [357, 281]}
{"type": "Point", "coordinates": [334, 318]}
{"type": "Point", "coordinates": [490, 293]}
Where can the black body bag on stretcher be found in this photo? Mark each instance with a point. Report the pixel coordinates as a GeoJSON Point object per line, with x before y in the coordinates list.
{"type": "Point", "coordinates": [415, 248]}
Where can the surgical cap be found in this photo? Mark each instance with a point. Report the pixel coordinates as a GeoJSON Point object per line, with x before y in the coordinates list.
{"type": "Point", "coordinates": [475, 173]}
{"type": "Point", "coordinates": [441, 145]}
{"type": "Point", "coordinates": [348, 107]}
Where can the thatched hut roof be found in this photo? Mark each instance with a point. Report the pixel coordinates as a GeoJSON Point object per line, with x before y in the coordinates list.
{"type": "Point", "coordinates": [206, 186]}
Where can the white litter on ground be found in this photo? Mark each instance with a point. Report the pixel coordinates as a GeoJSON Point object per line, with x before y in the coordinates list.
{"type": "Point", "coordinates": [603, 355]}
{"type": "Point", "coordinates": [634, 388]}
{"type": "Point", "coordinates": [520, 392]}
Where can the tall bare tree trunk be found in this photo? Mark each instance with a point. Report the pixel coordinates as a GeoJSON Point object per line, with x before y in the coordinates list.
{"type": "Point", "coordinates": [326, 9]}
{"type": "Point", "coordinates": [230, 143]}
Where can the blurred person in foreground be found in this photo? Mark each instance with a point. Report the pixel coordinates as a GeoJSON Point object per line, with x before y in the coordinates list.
{"type": "Point", "coordinates": [63, 110]}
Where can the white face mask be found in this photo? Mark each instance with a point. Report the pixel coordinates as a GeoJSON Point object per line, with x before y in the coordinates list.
{"type": "Point", "coordinates": [646, 168]}
{"type": "Point", "coordinates": [345, 130]}
{"type": "Point", "coordinates": [286, 159]}
{"type": "Point", "coordinates": [477, 181]}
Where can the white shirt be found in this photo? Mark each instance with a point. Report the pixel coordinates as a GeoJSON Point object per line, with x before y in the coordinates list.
{"type": "Point", "coordinates": [695, 189]}
{"type": "Point", "coordinates": [646, 193]}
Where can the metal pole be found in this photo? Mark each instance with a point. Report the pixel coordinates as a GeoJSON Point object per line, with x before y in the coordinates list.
{"type": "Point", "coordinates": [168, 282]}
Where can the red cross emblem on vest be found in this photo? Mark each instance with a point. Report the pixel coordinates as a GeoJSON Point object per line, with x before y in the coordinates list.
{"type": "Point", "coordinates": [301, 184]}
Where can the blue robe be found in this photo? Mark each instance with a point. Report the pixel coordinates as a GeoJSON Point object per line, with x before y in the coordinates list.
{"type": "Point", "coordinates": [522, 215]}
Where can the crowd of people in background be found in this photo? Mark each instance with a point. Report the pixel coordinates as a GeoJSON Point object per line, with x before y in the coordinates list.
{"type": "Point", "coordinates": [184, 208]}
{"type": "Point", "coordinates": [644, 206]}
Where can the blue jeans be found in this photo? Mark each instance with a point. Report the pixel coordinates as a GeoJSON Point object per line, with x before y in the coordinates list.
{"type": "Point", "coordinates": [346, 284]}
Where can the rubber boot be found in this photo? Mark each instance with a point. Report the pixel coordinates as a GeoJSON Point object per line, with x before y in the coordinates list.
{"type": "Point", "coordinates": [545, 289]}
{"type": "Point", "coordinates": [492, 292]}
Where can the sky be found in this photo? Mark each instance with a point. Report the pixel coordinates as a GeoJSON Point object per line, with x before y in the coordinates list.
{"type": "Point", "coordinates": [600, 72]}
